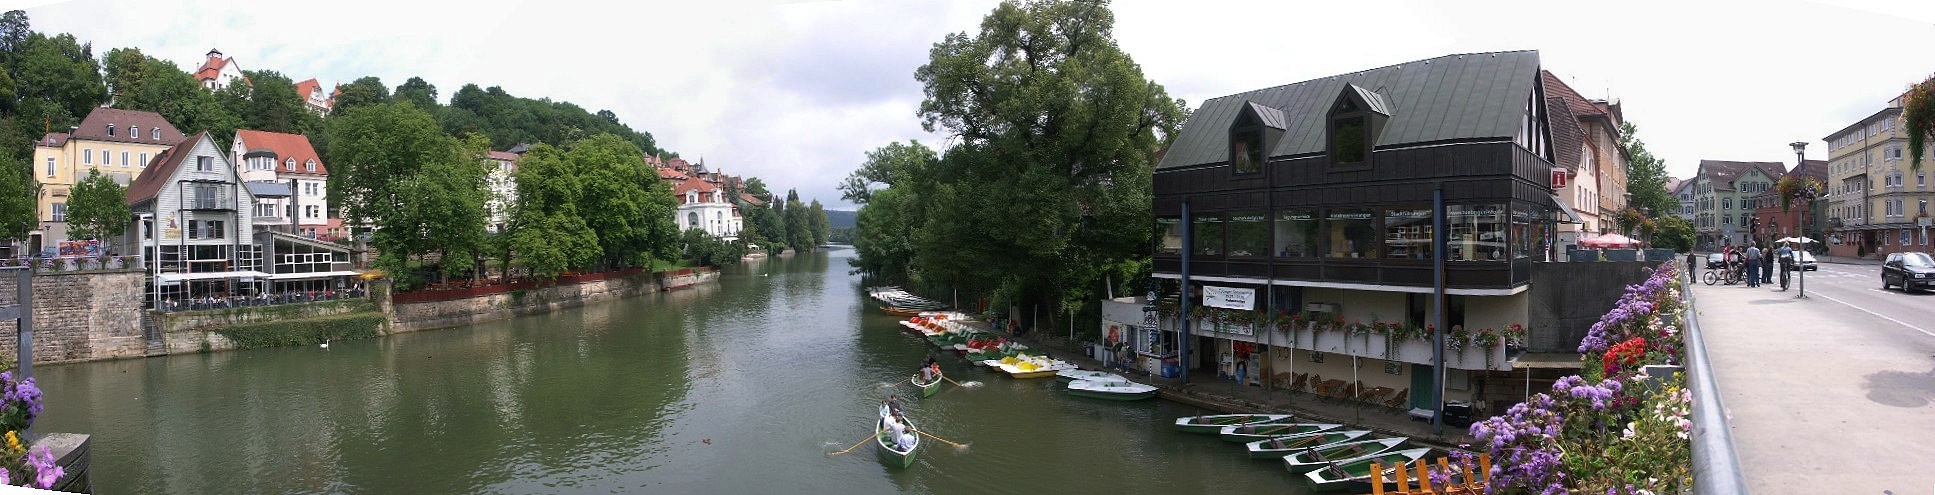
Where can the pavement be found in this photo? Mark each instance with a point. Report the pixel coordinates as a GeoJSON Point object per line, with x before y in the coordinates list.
{"type": "Point", "coordinates": [1834, 393]}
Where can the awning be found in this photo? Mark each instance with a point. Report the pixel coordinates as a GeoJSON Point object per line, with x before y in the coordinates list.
{"type": "Point", "coordinates": [1570, 216]}
{"type": "Point", "coordinates": [179, 277]}
{"type": "Point", "coordinates": [282, 277]}
{"type": "Point", "coordinates": [1545, 360]}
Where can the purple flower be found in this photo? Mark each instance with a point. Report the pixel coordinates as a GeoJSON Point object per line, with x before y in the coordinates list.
{"type": "Point", "coordinates": [46, 470]}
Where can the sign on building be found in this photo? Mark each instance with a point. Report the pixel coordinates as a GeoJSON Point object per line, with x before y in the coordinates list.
{"type": "Point", "coordinates": [1229, 298]}
{"type": "Point", "coordinates": [1558, 178]}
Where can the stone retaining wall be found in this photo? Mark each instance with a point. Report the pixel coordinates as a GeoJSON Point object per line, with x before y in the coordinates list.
{"type": "Point", "coordinates": [411, 317]}
{"type": "Point", "coordinates": [80, 316]}
{"type": "Point", "coordinates": [199, 331]}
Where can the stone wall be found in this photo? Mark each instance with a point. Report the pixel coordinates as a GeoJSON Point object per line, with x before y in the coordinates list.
{"type": "Point", "coordinates": [197, 331]}
{"type": "Point", "coordinates": [411, 317]}
{"type": "Point", "coordinates": [1567, 298]}
{"type": "Point", "coordinates": [80, 316]}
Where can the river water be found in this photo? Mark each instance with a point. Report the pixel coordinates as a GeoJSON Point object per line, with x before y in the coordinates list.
{"type": "Point", "coordinates": [744, 386]}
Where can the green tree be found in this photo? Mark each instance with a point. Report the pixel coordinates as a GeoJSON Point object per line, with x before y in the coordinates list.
{"type": "Point", "coordinates": [1673, 232]}
{"type": "Point", "coordinates": [816, 221]}
{"type": "Point", "coordinates": [1058, 130]}
{"type": "Point", "coordinates": [883, 234]}
{"type": "Point", "coordinates": [799, 226]}
{"type": "Point", "coordinates": [59, 70]}
{"type": "Point", "coordinates": [18, 194]}
{"type": "Point", "coordinates": [545, 229]}
{"type": "Point", "coordinates": [98, 208]}
{"type": "Point", "coordinates": [1646, 177]}
{"type": "Point", "coordinates": [366, 90]}
{"type": "Point", "coordinates": [888, 165]}
{"type": "Point", "coordinates": [616, 186]}
{"type": "Point", "coordinates": [418, 92]}
{"type": "Point", "coordinates": [420, 191]}
{"type": "Point", "coordinates": [757, 187]}
{"type": "Point", "coordinates": [274, 106]}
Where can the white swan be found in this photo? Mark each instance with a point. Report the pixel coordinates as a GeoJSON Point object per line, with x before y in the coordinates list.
{"type": "Point", "coordinates": [325, 343]}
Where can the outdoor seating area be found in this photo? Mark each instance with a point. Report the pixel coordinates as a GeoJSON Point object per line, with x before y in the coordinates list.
{"type": "Point", "coordinates": [1343, 391]}
{"type": "Point", "coordinates": [226, 301]}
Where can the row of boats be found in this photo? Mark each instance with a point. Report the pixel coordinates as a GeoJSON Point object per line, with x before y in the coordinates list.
{"type": "Point", "coordinates": [897, 302]}
{"type": "Point", "coordinates": [1329, 456]}
{"type": "Point", "coordinates": [948, 331]}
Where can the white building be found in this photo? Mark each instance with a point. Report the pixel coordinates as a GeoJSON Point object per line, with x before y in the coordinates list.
{"type": "Point", "coordinates": [503, 188]}
{"type": "Point", "coordinates": [219, 71]}
{"type": "Point", "coordinates": [288, 160]}
{"type": "Point", "coordinates": [314, 98]}
{"type": "Point", "coordinates": [193, 221]}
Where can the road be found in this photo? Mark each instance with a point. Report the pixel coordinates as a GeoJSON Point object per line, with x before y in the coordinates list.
{"type": "Point", "coordinates": [1834, 393]}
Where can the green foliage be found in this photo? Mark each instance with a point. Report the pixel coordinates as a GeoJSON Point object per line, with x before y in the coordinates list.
{"type": "Point", "coordinates": [364, 91]}
{"type": "Point", "coordinates": [816, 221]}
{"type": "Point", "coordinates": [60, 70]}
{"type": "Point", "coordinates": [421, 190]}
{"type": "Point", "coordinates": [887, 165]}
{"type": "Point", "coordinates": [1673, 232]}
{"type": "Point", "coordinates": [418, 92]}
{"type": "Point", "coordinates": [705, 250]}
{"type": "Point", "coordinates": [18, 191]}
{"type": "Point", "coordinates": [1049, 186]}
{"type": "Point", "coordinates": [97, 208]}
{"type": "Point", "coordinates": [274, 106]}
{"type": "Point", "coordinates": [1918, 119]}
{"type": "Point", "coordinates": [615, 183]}
{"type": "Point", "coordinates": [510, 120]}
{"type": "Point", "coordinates": [545, 229]}
{"type": "Point", "coordinates": [146, 83]}
{"type": "Point", "coordinates": [309, 331]}
{"type": "Point", "coordinates": [1646, 178]}
{"type": "Point", "coordinates": [799, 224]}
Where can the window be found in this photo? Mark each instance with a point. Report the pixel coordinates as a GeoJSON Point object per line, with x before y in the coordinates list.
{"type": "Point", "coordinates": [1348, 136]}
{"type": "Point", "coordinates": [144, 161]}
{"type": "Point", "coordinates": [1921, 180]}
{"type": "Point", "coordinates": [1209, 234]}
{"type": "Point", "coordinates": [134, 131]}
{"type": "Point", "coordinates": [1726, 203]}
{"type": "Point", "coordinates": [1296, 233]}
{"type": "Point", "coordinates": [1350, 234]}
{"type": "Point", "coordinates": [110, 130]}
{"type": "Point", "coordinates": [204, 164]}
{"type": "Point", "coordinates": [156, 132]}
{"type": "Point", "coordinates": [312, 211]}
{"type": "Point", "coordinates": [1905, 237]}
{"type": "Point", "coordinates": [291, 164]}
{"type": "Point", "coordinates": [1249, 234]}
{"type": "Point", "coordinates": [1408, 233]}
{"type": "Point", "coordinates": [124, 158]}
{"type": "Point", "coordinates": [87, 156]}
{"type": "Point", "coordinates": [50, 166]}
{"type": "Point", "coordinates": [60, 212]}
{"type": "Point", "coordinates": [205, 197]}
{"type": "Point", "coordinates": [1475, 232]}
{"type": "Point", "coordinates": [105, 154]}
{"type": "Point", "coordinates": [1168, 235]}
{"type": "Point", "coordinates": [1246, 150]}
{"type": "Point", "coordinates": [311, 165]}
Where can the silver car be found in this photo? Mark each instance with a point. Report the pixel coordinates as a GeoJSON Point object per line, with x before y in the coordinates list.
{"type": "Point", "coordinates": [1806, 262]}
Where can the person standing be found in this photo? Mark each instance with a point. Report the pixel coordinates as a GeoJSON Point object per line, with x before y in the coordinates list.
{"type": "Point", "coordinates": [1753, 265]}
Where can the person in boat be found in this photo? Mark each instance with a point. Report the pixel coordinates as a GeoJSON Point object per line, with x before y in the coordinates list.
{"type": "Point", "coordinates": [893, 404]}
{"type": "Point", "coordinates": [905, 440]}
{"type": "Point", "coordinates": [895, 425]}
{"type": "Point", "coordinates": [935, 368]}
{"type": "Point", "coordinates": [885, 412]}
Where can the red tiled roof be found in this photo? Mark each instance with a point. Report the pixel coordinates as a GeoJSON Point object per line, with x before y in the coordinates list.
{"type": "Point", "coordinates": [285, 146]}
{"type": "Point", "coordinates": [1579, 105]}
{"type": "Point", "coordinates": [307, 87]}
{"type": "Point", "coordinates": [95, 127]}
{"type": "Point", "coordinates": [53, 140]}
{"type": "Point", "coordinates": [160, 169]}
{"type": "Point", "coordinates": [501, 155]}
{"type": "Point", "coordinates": [1568, 139]}
{"type": "Point", "coordinates": [211, 68]}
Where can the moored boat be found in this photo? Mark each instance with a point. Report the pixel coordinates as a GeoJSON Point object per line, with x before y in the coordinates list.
{"type": "Point", "coordinates": [1355, 474]}
{"type": "Point", "coordinates": [1277, 447]}
{"type": "Point", "coordinates": [1111, 390]}
{"type": "Point", "coordinates": [1309, 459]}
{"type": "Point", "coordinates": [1248, 433]}
{"type": "Point", "coordinates": [1034, 368]}
{"type": "Point", "coordinates": [888, 450]}
{"type": "Point", "coordinates": [1214, 423]}
{"type": "Point", "coordinates": [1080, 374]}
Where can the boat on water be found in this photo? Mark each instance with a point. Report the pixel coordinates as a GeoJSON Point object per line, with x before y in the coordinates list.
{"type": "Point", "coordinates": [1251, 433]}
{"type": "Point", "coordinates": [888, 450]}
{"type": "Point", "coordinates": [1278, 447]}
{"type": "Point", "coordinates": [1034, 367]}
{"type": "Point", "coordinates": [1214, 423]}
{"type": "Point", "coordinates": [1072, 375]}
{"type": "Point", "coordinates": [1111, 389]}
{"type": "Point", "coordinates": [1311, 459]}
{"type": "Point", "coordinates": [1355, 474]}
{"type": "Point", "coordinates": [928, 389]}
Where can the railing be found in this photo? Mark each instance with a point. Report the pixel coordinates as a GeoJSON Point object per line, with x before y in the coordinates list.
{"type": "Point", "coordinates": [263, 299]}
{"type": "Point", "coordinates": [77, 263]}
{"type": "Point", "coordinates": [1716, 470]}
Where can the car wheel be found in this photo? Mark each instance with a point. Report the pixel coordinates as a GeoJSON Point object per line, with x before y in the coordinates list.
{"type": "Point", "coordinates": [1884, 282]}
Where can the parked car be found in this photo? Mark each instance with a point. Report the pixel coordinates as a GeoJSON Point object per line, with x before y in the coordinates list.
{"type": "Point", "coordinates": [1805, 261]}
{"type": "Point", "coordinates": [1910, 271]}
{"type": "Point", "coordinates": [1716, 261]}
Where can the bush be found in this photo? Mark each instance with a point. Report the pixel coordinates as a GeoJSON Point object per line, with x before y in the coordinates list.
{"type": "Point", "coordinates": [283, 333]}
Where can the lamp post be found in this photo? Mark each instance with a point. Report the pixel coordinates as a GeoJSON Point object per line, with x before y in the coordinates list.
{"type": "Point", "coordinates": [1800, 158]}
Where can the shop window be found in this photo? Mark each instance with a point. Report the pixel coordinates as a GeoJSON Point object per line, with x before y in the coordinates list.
{"type": "Point", "coordinates": [1526, 234]}
{"type": "Point", "coordinates": [1209, 230]}
{"type": "Point", "coordinates": [1296, 233]}
{"type": "Point", "coordinates": [1169, 235]}
{"type": "Point", "coordinates": [1350, 234]}
{"type": "Point", "coordinates": [1475, 232]}
{"type": "Point", "coordinates": [1407, 233]}
{"type": "Point", "coordinates": [1249, 234]}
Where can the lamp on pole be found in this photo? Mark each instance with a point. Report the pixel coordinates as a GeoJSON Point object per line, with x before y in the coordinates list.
{"type": "Point", "coordinates": [1807, 213]}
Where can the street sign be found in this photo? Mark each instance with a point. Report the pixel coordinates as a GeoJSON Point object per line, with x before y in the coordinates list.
{"type": "Point", "coordinates": [1558, 178]}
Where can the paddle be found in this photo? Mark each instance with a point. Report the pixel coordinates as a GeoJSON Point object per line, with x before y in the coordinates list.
{"type": "Point", "coordinates": [959, 384]}
{"type": "Point", "coordinates": [942, 440]}
{"type": "Point", "coordinates": [855, 446]}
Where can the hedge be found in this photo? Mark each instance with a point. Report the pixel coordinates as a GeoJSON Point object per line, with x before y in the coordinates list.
{"type": "Point", "coordinates": [311, 331]}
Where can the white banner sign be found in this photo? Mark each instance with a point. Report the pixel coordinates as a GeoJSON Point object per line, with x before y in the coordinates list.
{"type": "Point", "coordinates": [1229, 298]}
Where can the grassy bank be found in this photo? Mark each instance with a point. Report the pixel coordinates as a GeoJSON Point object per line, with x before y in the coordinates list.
{"type": "Point", "coordinates": [308, 331]}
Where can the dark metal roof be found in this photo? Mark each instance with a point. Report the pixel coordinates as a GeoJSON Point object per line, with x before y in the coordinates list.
{"type": "Point", "coordinates": [1468, 96]}
{"type": "Point", "coordinates": [260, 152]}
{"type": "Point", "coordinates": [1372, 99]}
{"type": "Point", "coordinates": [1271, 117]}
{"type": "Point", "coordinates": [268, 189]}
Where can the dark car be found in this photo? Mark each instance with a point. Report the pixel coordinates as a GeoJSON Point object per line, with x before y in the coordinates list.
{"type": "Point", "coordinates": [1910, 271]}
{"type": "Point", "coordinates": [1716, 261]}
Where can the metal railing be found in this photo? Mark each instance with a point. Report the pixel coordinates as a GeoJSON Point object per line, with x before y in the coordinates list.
{"type": "Point", "coordinates": [170, 305]}
{"type": "Point", "coordinates": [1716, 469]}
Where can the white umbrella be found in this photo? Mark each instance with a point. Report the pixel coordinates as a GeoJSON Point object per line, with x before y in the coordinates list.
{"type": "Point", "coordinates": [1802, 240]}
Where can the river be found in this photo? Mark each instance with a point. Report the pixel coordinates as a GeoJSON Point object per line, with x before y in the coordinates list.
{"type": "Point", "coordinates": [744, 386]}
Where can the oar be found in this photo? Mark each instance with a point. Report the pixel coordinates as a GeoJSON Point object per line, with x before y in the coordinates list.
{"type": "Point", "coordinates": [971, 384]}
{"type": "Point", "coordinates": [943, 440]}
{"type": "Point", "coordinates": [855, 446]}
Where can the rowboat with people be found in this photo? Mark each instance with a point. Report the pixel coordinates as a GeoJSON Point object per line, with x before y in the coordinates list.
{"type": "Point", "coordinates": [928, 389]}
{"type": "Point", "coordinates": [890, 450]}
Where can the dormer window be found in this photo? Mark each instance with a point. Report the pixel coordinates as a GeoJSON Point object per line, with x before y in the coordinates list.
{"type": "Point", "coordinates": [110, 130]}
{"type": "Point", "coordinates": [156, 132]}
{"type": "Point", "coordinates": [1354, 122]}
{"type": "Point", "coordinates": [134, 131]}
{"type": "Point", "coordinates": [292, 164]}
{"type": "Point", "coordinates": [1254, 132]}
{"type": "Point", "coordinates": [310, 165]}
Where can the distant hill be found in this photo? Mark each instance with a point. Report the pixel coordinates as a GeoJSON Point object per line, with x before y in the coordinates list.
{"type": "Point", "coordinates": [840, 219]}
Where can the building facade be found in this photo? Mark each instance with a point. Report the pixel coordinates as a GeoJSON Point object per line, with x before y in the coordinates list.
{"type": "Point", "coordinates": [194, 223]}
{"type": "Point", "coordinates": [219, 71]}
{"type": "Point", "coordinates": [1316, 199]}
{"type": "Point", "coordinates": [314, 98]}
{"type": "Point", "coordinates": [1600, 120]}
{"type": "Point", "coordinates": [1877, 202]}
{"type": "Point", "coordinates": [1777, 220]}
{"type": "Point", "coordinates": [705, 201]}
{"type": "Point", "coordinates": [1724, 197]}
{"type": "Point", "coordinates": [502, 181]}
{"type": "Point", "coordinates": [119, 143]}
{"type": "Point", "coordinates": [288, 160]}
{"type": "Point", "coordinates": [1579, 190]}
{"type": "Point", "coordinates": [1683, 191]}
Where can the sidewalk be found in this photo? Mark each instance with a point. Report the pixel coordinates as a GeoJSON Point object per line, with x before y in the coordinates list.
{"type": "Point", "coordinates": [1820, 397]}
{"type": "Point", "coordinates": [1223, 396]}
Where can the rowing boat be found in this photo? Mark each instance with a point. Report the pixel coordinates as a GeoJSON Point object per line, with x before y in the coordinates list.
{"type": "Point", "coordinates": [1072, 375]}
{"type": "Point", "coordinates": [1111, 390]}
{"type": "Point", "coordinates": [1214, 423]}
{"type": "Point", "coordinates": [1276, 448]}
{"type": "Point", "coordinates": [1310, 459]}
{"type": "Point", "coordinates": [1355, 474]}
{"type": "Point", "coordinates": [888, 453]}
{"type": "Point", "coordinates": [928, 389]}
{"type": "Point", "coordinates": [1250, 433]}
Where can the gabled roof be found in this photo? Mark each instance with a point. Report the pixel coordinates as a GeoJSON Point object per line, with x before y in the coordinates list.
{"type": "Point", "coordinates": [1578, 104]}
{"type": "Point", "coordinates": [53, 140]}
{"type": "Point", "coordinates": [1480, 95]}
{"type": "Point", "coordinates": [1722, 173]}
{"type": "Point", "coordinates": [307, 87]}
{"type": "Point", "coordinates": [160, 169]}
{"type": "Point", "coordinates": [285, 146]}
{"type": "Point", "coordinates": [95, 127]}
{"type": "Point", "coordinates": [1818, 169]}
{"type": "Point", "coordinates": [1372, 99]}
{"type": "Point", "coordinates": [1270, 117]}
{"type": "Point", "coordinates": [501, 155]}
{"type": "Point", "coordinates": [1568, 140]}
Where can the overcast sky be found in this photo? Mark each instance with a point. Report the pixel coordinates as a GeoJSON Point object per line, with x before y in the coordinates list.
{"type": "Point", "coordinates": [797, 92]}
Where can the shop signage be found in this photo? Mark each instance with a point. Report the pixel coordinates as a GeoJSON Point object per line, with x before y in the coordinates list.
{"type": "Point", "coordinates": [1229, 298]}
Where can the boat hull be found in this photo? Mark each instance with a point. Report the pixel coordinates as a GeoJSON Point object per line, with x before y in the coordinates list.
{"type": "Point", "coordinates": [1354, 474]}
{"type": "Point", "coordinates": [1251, 433]}
{"type": "Point", "coordinates": [1278, 448]}
{"type": "Point", "coordinates": [928, 389]}
{"type": "Point", "coordinates": [1122, 391]}
{"type": "Point", "coordinates": [893, 457]}
{"type": "Point", "coordinates": [1311, 460]}
{"type": "Point", "coordinates": [1214, 423]}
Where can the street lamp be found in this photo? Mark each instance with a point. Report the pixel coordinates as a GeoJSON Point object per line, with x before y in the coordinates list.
{"type": "Point", "coordinates": [1807, 211]}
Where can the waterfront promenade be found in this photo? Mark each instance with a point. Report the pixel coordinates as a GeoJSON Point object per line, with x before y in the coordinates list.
{"type": "Point", "coordinates": [1829, 394]}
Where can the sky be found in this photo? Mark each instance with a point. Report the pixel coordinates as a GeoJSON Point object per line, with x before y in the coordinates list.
{"type": "Point", "coordinates": [796, 93]}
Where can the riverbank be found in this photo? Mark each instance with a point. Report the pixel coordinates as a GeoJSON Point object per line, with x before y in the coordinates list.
{"type": "Point", "coordinates": [1224, 396]}
{"type": "Point", "coordinates": [418, 311]}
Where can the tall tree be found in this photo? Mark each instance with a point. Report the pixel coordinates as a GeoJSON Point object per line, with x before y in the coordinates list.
{"type": "Point", "coordinates": [366, 90]}
{"type": "Point", "coordinates": [18, 193]}
{"type": "Point", "coordinates": [816, 221]}
{"type": "Point", "coordinates": [1646, 180]}
{"type": "Point", "coordinates": [60, 70]}
{"type": "Point", "coordinates": [419, 190]}
{"type": "Point", "coordinates": [98, 208]}
{"type": "Point", "coordinates": [1058, 129]}
{"type": "Point", "coordinates": [617, 195]}
{"type": "Point", "coordinates": [799, 227]}
{"type": "Point", "coordinates": [418, 92]}
{"type": "Point", "coordinates": [887, 165]}
{"type": "Point", "coordinates": [546, 230]}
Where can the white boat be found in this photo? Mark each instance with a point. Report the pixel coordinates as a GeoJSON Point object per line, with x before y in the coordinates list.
{"type": "Point", "coordinates": [1111, 389]}
{"type": "Point", "coordinates": [1077, 374]}
{"type": "Point", "coordinates": [1303, 462]}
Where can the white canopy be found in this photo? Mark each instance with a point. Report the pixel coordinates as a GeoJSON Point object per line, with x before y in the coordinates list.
{"type": "Point", "coordinates": [313, 275]}
{"type": "Point", "coordinates": [178, 277]}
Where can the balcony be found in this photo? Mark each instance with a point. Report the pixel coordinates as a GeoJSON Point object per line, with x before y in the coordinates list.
{"type": "Point", "coordinates": [1367, 343]}
{"type": "Point", "coordinates": [207, 198]}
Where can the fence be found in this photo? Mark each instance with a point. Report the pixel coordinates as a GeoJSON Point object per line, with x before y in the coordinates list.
{"type": "Point", "coordinates": [459, 291]}
{"type": "Point", "coordinates": [262, 299]}
{"type": "Point", "coordinates": [76, 263]}
{"type": "Point", "coordinates": [1716, 470]}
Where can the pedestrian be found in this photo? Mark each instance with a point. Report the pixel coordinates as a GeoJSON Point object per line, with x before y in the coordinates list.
{"type": "Point", "coordinates": [1242, 373]}
{"type": "Point", "coordinates": [1767, 266]}
{"type": "Point", "coordinates": [1753, 265]}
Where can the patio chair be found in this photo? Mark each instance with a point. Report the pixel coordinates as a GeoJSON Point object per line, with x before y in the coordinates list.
{"type": "Point", "coordinates": [1298, 380]}
{"type": "Point", "coordinates": [1400, 399]}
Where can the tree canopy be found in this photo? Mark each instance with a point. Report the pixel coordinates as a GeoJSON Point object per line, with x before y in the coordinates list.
{"type": "Point", "coordinates": [97, 208]}
{"type": "Point", "coordinates": [1646, 179]}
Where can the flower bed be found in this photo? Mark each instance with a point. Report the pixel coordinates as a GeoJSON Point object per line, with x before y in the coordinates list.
{"type": "Point", "coordinates": [1609, 429]}
{"type": "Point", "coordinates": [20, 464]}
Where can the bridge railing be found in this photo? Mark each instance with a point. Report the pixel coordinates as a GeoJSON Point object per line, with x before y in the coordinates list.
{"type": "Point", "coordinates": [1716, 470]}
